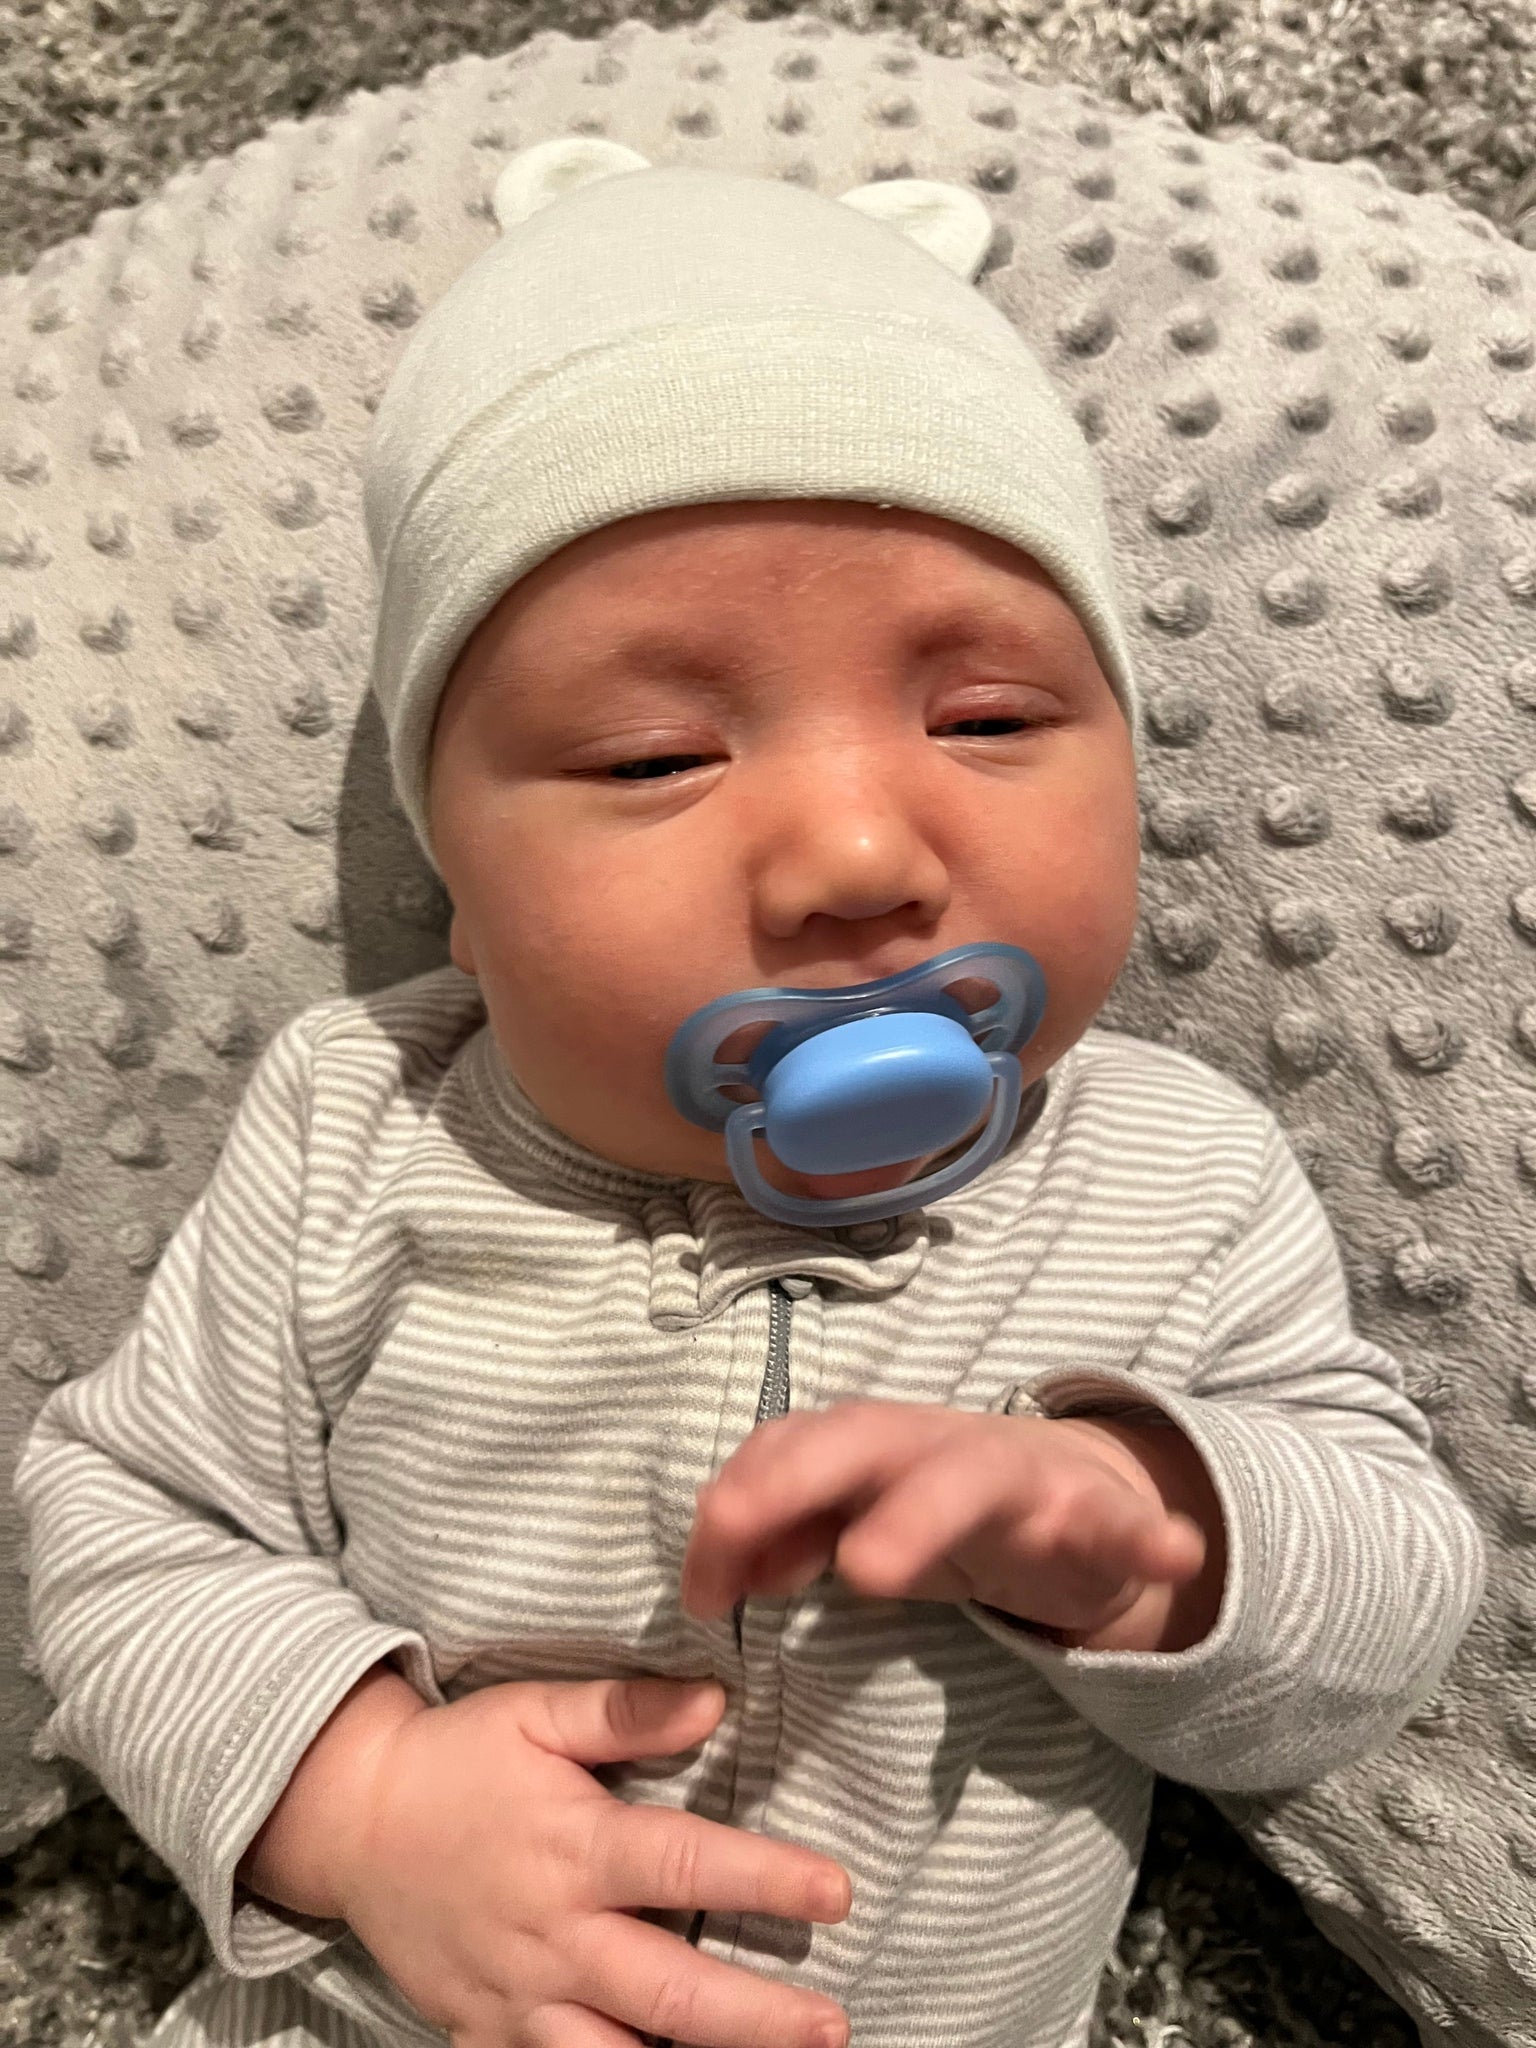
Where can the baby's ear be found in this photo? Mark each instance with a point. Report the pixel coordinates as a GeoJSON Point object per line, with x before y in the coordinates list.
{"type": "Point", "coordinates": [537, 177]}
{"type": "Point", "coordinates": [946, 220]}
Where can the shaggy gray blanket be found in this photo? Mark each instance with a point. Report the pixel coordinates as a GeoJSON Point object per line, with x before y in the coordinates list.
{"type": "Point", "coordinates": [101, 100]}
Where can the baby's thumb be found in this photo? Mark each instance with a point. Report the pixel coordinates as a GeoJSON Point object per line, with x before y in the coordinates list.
{"type": "Point", "coordinates": [610, 1720]}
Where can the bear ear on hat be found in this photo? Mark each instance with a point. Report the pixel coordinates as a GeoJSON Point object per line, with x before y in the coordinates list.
{"type": "Point", "coordinates": [537, 177]}
{"type": "Point", "coordinates": [946, 220]}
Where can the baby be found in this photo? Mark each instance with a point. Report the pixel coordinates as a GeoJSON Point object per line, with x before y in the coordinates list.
{"type": "Point", "coordinates": [544, 1576]}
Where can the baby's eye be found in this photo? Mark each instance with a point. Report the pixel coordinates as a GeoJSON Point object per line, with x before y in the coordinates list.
{"type": "Point", "coordinates": [1018, 724]}
{"type": "Point", "coordinates": [656, 767]}
{"type": "Point", "coordinates": [659, 761]}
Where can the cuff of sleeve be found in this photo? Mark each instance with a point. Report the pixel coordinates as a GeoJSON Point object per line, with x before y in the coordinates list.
{"type": "Point", "coordinates": [1165, 1707]}
{"type": "Point", "coordinates": [253, 1936]}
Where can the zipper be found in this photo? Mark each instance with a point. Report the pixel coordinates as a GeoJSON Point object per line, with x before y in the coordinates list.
{"type": "Point", "coordinates": [772, 1401]}
{"type": "Point", "coordinates": [773, 1397]}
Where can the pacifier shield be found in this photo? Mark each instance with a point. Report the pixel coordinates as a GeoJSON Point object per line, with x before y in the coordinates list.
{"type": "Point", "coordinates": [873, 1092]}
{"type": "Point", "coordinates": [854, 1079]}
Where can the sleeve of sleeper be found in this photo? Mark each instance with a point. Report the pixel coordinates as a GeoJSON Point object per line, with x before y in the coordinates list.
{"type": "Point", "coordinates": [187, 1609]}
{"type": "Point", "coordinates": [1354, 1567]}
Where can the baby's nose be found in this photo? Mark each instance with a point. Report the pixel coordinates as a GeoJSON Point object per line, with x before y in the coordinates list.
{"type": "Point", "coordinates": [836, 844]}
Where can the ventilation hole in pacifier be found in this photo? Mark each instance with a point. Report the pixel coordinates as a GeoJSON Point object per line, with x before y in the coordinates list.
{"type": "Point", "coordinates": [741, 1044]}
{"type": "Point", "coordinates": [736, 1050]}
{"type": "Point", "coordinates": [972, 994]}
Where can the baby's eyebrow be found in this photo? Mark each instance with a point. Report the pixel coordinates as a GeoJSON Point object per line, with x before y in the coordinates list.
{"type": "Point", "coordinates": [665, 652]}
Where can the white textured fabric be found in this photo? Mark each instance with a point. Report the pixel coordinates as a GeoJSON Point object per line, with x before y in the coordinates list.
{"type": "Point", "coordinates": [415, 1361]}
{"type": "Point", "coordinates": [679, 336]}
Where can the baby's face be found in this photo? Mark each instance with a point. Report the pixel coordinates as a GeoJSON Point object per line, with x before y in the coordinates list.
{"type": "Point", "coordinates": [786, 785]}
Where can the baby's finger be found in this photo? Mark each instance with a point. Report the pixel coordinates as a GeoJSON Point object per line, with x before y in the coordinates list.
{"type": "Point", "coordinates": [652, 1856]}
{"type": "Point", "coordinates": [1180, 1546]}
{"type": "Point", "coordinates": [796, 1559]}
{"type": "Point", "coordinates": [577, 2026]}
{"type": "Point", "coordinates": [651, 1980]}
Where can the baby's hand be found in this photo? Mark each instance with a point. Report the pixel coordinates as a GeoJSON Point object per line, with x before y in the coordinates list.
{"type": "Point", "coordinates": [1050, 1520]}
{"type": "Point", "coordinates": [494, 1879]}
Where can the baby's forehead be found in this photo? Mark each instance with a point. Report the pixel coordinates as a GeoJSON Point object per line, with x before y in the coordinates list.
{"type": "Point", "coordinates": [693, 589]}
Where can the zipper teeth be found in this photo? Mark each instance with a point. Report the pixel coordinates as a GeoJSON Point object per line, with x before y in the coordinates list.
{"type": "Point", "coordinates": [772, 1397]}
{"type": "Point", "coordinates": [780, 1304]}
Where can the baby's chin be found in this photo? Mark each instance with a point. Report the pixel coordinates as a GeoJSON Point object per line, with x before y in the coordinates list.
{"type": "Point", "coordinates": [829, 1186]}
{"type": "Point", "coordinates": [871, 1180]}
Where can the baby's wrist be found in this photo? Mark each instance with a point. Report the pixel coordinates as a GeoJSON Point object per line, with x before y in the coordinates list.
{"type": "Point", "coordinates": [1161, 1462]}
{"type": "Point", "coordinates": [300, 1855]}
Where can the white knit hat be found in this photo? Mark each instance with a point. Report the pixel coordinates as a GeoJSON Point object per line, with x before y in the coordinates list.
{"type": "Point", "coordinates": [643, 337]}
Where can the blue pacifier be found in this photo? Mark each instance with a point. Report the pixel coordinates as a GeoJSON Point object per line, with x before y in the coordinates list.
{"type": "Point", "coordinates": [861, 1077]}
